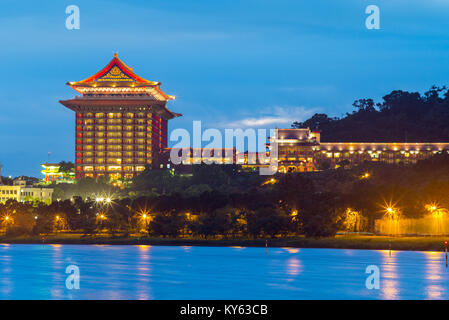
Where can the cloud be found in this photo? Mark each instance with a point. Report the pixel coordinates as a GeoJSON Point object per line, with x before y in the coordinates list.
{"type": "Point", "coordinates": [273, 117]}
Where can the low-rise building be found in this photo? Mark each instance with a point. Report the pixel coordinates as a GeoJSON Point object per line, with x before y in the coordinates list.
{"type": "Point", "coordinates": [301, 150]}
{"type": "Point", "coordinates": [22, 193]}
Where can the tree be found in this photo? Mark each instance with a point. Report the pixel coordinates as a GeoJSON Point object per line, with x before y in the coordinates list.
{"type": "Point", "coordinates": [167, 224]}
{"type": "Point", "coordinates": [269, 221]}
{"type": "Point", "coordinates": [218, 222]}
{"type": "Point", "coordinates": [320, 215]}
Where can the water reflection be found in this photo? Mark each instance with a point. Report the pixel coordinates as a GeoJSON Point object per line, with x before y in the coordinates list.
{"type": "Point", "coordinates": [434, 269]}
{"type": "Point", "coordinates": [292, 250]}
{"type": "Point", "coordinates": [294, 267]}
{"type": "Point", "coordinates": [58, 281]}
{"type": "Point", "coordinates": [143, 287]}
{"type": "Point", "coordinates": [6, 285]}
{"type": "Point", "coordinates": [389, 284]}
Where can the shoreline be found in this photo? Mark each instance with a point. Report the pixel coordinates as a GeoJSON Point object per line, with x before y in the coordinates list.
{"type": "Point", "coordinates": [339, 242]}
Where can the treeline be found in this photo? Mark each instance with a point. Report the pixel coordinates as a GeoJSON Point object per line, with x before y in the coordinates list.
{"type": "Point", "coordinates": [400, 117]}
{"type": "Point", "coordinates": [220, 202]}
{"type": "Point", "coordinates": [255, 213]}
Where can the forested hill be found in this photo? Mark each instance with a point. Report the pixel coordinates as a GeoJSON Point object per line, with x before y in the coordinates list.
{"type": "Point", "coordinates": [401, 117]}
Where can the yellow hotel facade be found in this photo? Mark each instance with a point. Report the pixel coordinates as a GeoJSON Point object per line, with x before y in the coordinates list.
{"type": "Point", "coordinates": [301, 150]}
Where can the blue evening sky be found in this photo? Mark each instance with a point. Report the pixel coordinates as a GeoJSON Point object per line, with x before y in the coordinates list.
{"type": "Point", "coordinates": [254, 63]}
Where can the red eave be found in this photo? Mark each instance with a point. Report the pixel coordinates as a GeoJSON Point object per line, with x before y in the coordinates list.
{"type": "Point", "coordinates": [115, 61]}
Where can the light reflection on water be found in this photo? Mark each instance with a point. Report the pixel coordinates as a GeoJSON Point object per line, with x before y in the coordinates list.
{"type": "Point", "coordinates": [434, 270]}
{"type": "Point", "coordinates": [389, 275]}
{"type": "Point", "coordinates": [156, 272]}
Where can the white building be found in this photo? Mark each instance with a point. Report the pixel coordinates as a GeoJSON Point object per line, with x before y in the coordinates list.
{"type": "Point", "coordinates": [23, 193]}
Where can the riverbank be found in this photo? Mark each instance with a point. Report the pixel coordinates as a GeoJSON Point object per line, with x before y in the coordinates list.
{"type": "Point", "coordinates": [339, 242]}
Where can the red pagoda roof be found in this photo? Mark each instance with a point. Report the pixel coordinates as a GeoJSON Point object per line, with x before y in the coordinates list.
{"type": "Point", "coordinates": [117, 74]}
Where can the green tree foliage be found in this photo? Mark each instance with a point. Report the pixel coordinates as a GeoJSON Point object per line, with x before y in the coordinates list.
{"type": "Point", "coordinates": [400, 117]}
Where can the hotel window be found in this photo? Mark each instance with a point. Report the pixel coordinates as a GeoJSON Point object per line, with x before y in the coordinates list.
{"type": "Point", "coordinates": [99, 115]}
{"type": "Point", "coordinates": [114, 134]}
{"type": "Point", "coordinates": [114, 141]}
{"type": "Point", "coordinates": [115, 148]}
{"type": "Point", "coordinates": [114, 154]}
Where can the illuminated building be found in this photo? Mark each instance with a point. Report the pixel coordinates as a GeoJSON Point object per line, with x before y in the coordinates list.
{"type": "Point", "coordinates": [120, 122]}
{"type": "Point", "coordinates": [52, 173]}
{"type": "Point", "coordinates": [23, 193]}
{"type": "Point", "coordinates": [302, 150]}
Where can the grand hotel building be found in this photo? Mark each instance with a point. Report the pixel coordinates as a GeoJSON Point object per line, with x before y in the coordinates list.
{"type": "Point", "coordinates": [120, 122]}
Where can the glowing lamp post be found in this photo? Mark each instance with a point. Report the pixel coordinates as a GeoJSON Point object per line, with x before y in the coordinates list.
{"type": "Point", "coordinates": [144, 217]}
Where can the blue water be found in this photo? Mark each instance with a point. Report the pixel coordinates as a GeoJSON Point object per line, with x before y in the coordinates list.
{"type": "Point", "coordinates": [160, 272]}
